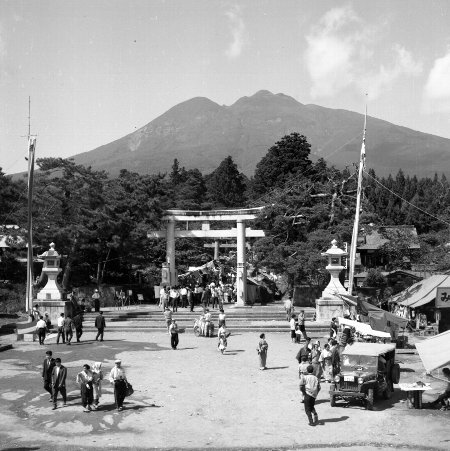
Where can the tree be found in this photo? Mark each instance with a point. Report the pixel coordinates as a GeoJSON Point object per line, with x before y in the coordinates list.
{"type": "Point", "coordinates": [226, 185]}
{"type": "Point", "coordinates": [287, 157]}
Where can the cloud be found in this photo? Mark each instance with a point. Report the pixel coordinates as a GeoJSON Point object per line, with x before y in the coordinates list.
{"type": "Point", "coordinates": [341, 54]}
{"type": "Point", "coordinates": [437, 87]}
{"type": "Point", "coordinates": [238, 32]}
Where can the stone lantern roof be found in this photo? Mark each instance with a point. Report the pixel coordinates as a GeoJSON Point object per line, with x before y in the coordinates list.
{"type": "Point", "coordinates": [334, 251]}
{"type": "Point", "coordinates": [50, 253]}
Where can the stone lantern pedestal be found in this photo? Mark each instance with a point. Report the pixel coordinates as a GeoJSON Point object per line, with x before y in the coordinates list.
{"type": "Point", "coordinates": [330, 305]}
{"type": "Point", "coordinates": [50, 298]}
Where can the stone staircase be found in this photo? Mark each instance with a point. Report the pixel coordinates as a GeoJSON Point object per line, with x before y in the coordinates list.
{"type": "Point", "coordinates": [149, 318]}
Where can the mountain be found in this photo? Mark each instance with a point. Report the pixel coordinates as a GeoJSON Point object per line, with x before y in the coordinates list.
{"type": "Point", "coordinates": [200, 134]}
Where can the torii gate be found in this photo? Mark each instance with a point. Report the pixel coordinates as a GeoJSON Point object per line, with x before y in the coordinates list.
{"type": "Point", "coordinates": [205, 217]}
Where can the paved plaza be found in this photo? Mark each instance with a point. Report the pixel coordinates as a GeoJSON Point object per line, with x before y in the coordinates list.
{"type": "Point", "coordinates": [196, 398]}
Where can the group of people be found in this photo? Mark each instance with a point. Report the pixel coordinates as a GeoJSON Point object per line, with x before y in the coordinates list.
{"type": "Point", "coordinates": [66, 326]}
{"type": "Point", "coordinates": [185, 296]}
{"type": "Point", "coordinates": [89, 379]}
{"type": "Point", "coordinates": [297, 327]}
{"type": "Point", "coordinates": [325, 361]}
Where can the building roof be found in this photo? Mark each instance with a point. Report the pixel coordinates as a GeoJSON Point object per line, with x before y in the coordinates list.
{"type": "Point", "coordinates": [378, 237]}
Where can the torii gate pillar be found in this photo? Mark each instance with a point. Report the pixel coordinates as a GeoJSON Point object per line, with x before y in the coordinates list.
{"type": "Point", "coordinates": [170, 251]}
{"type": "Point", "coordinates": [241, 270]}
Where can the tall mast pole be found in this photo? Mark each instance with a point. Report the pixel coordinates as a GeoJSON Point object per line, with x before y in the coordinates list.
{"type": "Point", "coordinates": [31, 149]}
{"type": "Point", "coordinates": [362, 163]}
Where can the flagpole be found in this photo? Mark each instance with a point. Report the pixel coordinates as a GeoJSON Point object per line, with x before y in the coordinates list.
{"type": "Point", "coordinates": [362, 162]}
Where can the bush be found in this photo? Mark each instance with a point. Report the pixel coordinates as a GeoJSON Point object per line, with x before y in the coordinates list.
{"type": "Point", "coordinates": [12, 298]}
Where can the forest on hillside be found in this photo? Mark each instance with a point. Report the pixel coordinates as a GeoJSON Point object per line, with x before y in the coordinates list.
{"type": "Point", "coordinates": [100, 224]}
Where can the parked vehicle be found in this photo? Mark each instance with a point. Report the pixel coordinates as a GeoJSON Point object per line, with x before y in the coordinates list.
{"type": "Point", "coordinates": [368, 370]}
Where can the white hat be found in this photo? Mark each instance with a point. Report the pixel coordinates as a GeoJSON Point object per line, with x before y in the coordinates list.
{"type": "Point", "coordinates": [117, 361]}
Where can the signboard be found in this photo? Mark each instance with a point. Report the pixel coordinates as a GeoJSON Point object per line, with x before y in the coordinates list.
{"type": "Point", "coordinates": [443, 297]}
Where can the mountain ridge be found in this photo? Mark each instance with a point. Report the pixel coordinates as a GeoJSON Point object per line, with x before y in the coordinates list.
{"type": "Point", "coordinates": [200, 133]}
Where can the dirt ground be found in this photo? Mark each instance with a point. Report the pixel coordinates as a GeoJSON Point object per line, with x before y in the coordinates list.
{"type": "Point", "coordinates": [196, 398]}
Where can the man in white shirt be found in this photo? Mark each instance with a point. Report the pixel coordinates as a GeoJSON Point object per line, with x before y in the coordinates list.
{"type": "Point", "coordinates": [118, 377]}
{"type": "Point", "coordinates": [208, 325]}
{"type": "Point", "coordinates": [310, 387]}
{"type": "Point", "coordinates": [183, 294]}
{"type": "Point", "coordinates": [41, 327]}
{"type": "Point", "coordinates": [61, 329]}
{"type": "Point", "coordinates": [292, 327]}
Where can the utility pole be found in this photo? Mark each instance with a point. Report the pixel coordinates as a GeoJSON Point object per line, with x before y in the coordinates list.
{"type": "Point", "coordinates": [31, 149]}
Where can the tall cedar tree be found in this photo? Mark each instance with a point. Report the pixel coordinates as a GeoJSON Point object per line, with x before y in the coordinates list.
{"type": "Point", "coordinates": [226, 185]}
{"type": "Point", "coordinates": [286, 158]}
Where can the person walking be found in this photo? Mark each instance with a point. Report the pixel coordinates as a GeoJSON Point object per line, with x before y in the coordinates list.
{"type": "Point", "coordinates": [335, 358]}
{"type": "Point", "coordinates": [262, 351]}
{"type": "Point", "coordinates": [173, 331]}
{"type": "Point", "coordinates": [209, 327]}
{"type": "Point", "coordinates": [325, 362]}
{"type": "Point", "coordinates": [310, 388]}
{"type": "Point", "coordinates": [292, 326]}
{"type": "Point", "coordinates": [190, 297]}
{"type": "Point", "coordinates": [68, 324]}
{"type": "Point", "coordinates": [220, 296]}
{"type": "Point", "coordinates": [316, 352]}
{"type": "Point", "coordinates": [100, 325]}
{"type": "Point", "coordinates": [59, 374]}
{"type": "Point", "coordinates": [61, 329]}
{"type": "Point", "coordinates": [173, 298]}
{"type": "Point", "coordinates": [198, 291]}
{"type": "Point", "coordinates": [304, 351]}
{"type": "Point", "coordinates": [168, 318]}
{"type": "Point", "coordinates": [183, 294]}
{"type": "Point", "coordinates": [41, 328]}
{"type": "Point", "coordinates": [222, 336]}
{"type": "Point", "coordinates": [222, 318]}
{"type": "Point", "coordinates": [118, 378]}
{"type": "Point", "coordinates": [97, 378]}
{"type": "Point", "coordinates": [78, 325]}
{"type": "Point", "coordinates": [47, 368]}
{"type": "Point", "coordinates": [288, 308]}
{"type": "Point", "coordinates": [96, 300]}
{"type": "Point", "coordinates": [206, 296]}
{"type": "Point", "coordinates": [214, 294]}
{"type": "Point", "coordinates": [301, 323]}
{"type": "Point", "coordinates": [84, 378]}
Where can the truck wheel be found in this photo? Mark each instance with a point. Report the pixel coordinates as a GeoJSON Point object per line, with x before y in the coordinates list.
{"type": "Point", "coordinates": [395, 373]}
{"type": "Point", "coordinates": [369, 400]}
{"type": "Point", "coordinates": [332, 397]}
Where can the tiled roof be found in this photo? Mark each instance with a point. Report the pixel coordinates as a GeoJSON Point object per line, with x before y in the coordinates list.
{"type": "Point", "coordinates": [377, 238]}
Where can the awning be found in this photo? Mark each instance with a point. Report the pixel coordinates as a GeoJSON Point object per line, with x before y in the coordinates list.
{"type": "Point", "coordinates": [380, 316]}
{"type": "Point", "coordinates": [422, 292]}
{"type": "Point", "coordinates": [364, 328]}
{"type": "Point", "coordinates": [435, 352]}
{"type": "Point", "coordinates": [371, 349]}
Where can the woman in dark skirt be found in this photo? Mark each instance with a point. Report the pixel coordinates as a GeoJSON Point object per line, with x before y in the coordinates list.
{"type": "Point", "coordinates": [84, 378]}
{"type": "Point", "coordinates": [119, 379]}
{"type": "Point", "coordinates": [262, 351]}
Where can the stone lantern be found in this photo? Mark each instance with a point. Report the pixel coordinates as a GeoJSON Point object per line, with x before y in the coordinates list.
{"type": "Point", "coordinates": [50, 298]}
{"type": "Point", "coordinates": [330, 305]}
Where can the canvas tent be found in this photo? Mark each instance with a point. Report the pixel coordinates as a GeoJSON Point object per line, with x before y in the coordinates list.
{"type": "Point", "coordinates": [364, 328]}
{"type": "Point", "coordinates": [422, 292]}
{"type": "Point", "coordinates": [435, 352]}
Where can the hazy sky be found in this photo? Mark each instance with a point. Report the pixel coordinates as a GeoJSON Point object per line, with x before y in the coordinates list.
{"type": "Point", "coordinates": [98, 69]}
